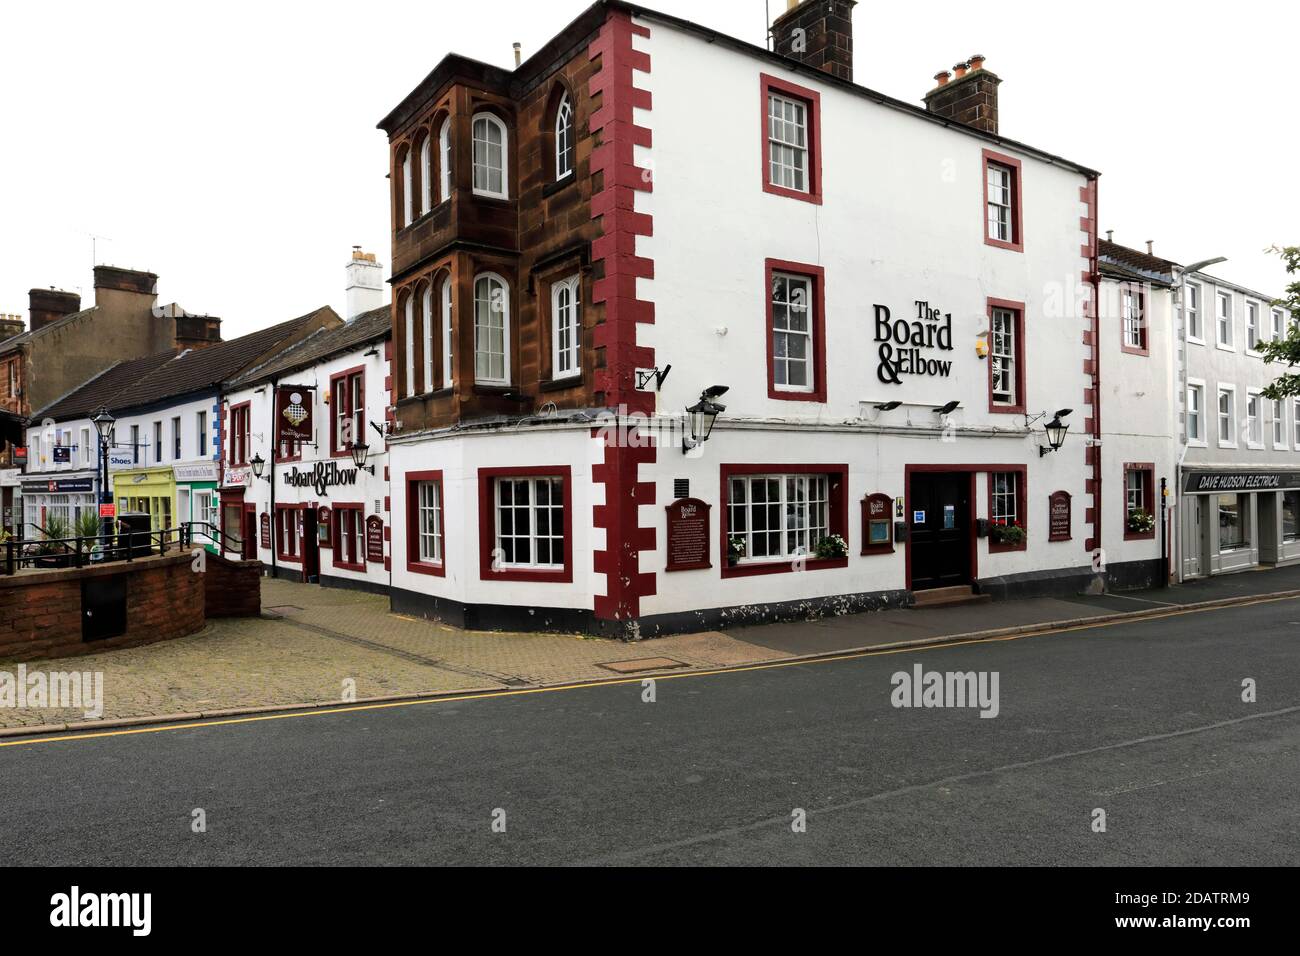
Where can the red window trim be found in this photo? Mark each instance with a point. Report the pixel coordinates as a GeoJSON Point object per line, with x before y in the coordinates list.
{"type": "Point", "coordinates": [1017, 243]}
{"type": "Point", "coordinates": [413, 562]}
{"type": "Point", "coordinates": [818, 276]}
{"type": "Point", "coordinates": [1148, 498]}
{"type": "Point", "coordinates": [487, 524]}
{"type": "Point", "coordinates": [336, 534]}
{"type": "Point", "coordinates": [277, 531]}
{"type": "Point", "coordinates": [1145, 348]}
{"type": "Point", "coordinates": [837, 519]}
{"type": "Point", "coordinates": [813, 100]}
{"type": "Point", "coordinates": [247, 408]}
{"type": "Point", "coordinates": [1022, 510]}
{"type": "Point", "coordinates": [1019, 309]}
{"type": "Point", "coordinates": [335, 450]}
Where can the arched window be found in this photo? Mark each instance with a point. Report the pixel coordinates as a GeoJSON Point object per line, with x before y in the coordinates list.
{"type": "Point", "coordinates": [428, 337]}
{"type": "Point", "coordinates": [490, 144]}
{"type": "Point", "coordinates": [446, 333]}
{"type": "Point", "coordinates": [426, 175]}
{"type": "Point", "coordinates": [491, 330]}
{"type": "Point", "coordinates": [408, 199]}
{"type": "Point", "coordinates": [566, 328]}
{"type": "Point", "coordinates": [409, 309]}
{"type": "Point", "coordinates": [564, 147]}
{"type": "Point", "coordinates": [444, 154]}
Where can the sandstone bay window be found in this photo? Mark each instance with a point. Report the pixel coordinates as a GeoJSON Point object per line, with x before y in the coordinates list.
{"type": "Point", "coordinates": [776, 517]}
{"type": "Point", "coordinates": [408, 308]}
{"type": "Point", "coordinates": [1234, 522]}
{"type": "Point", "coordinates": [426, 174]}
{"type": "Point", "coordinates": [425, 540]}
{"type": "Point", "coordinates": [1139, 500]}
{"type": "Point", "coordinates": [446, 333]}
{"type": "Point", "coordinates": [491, 330]}
{"type": "Point", "coordinates": [791, 140]}
{"type": "Point", "coordinates": [796, 327]}
{"type": "Point", "coordinates": [407, 200]}
{"type": "Point", "coordinates": [566, 328]}
{"type": "Point", "coordinates": [348, 404]}
{"type": "Point", "coordinates": [1007, 511]}
{"type": "Point", "coordinates": [427, 335]}
{"type": "Point", "coordinates": [1002, 201]}
{"type": "Point", "coordinates": [1227, 409]}
{"type": "Point", "coordinates": [490, 145]}
{"type": "Point", "coordinates": [564, 138]}
{"type": "Point", "coordinates": [525, 524]}
{"type": "Point", "coordinates": [1133, 320]}
{"type": "Point", "coordinates": [349, 536]}
{"type": "Point", "coordinates": [1006, 356]}
{"type": "Point", "coordinates": [444, 154]}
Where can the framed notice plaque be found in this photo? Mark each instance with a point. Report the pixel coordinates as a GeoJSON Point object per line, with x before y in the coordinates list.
{"type": "Point", "coordinates": [877, 524]}
{"type": "Point", "coordinates": [1058, 516]}
{"type": "Point", "coordinates": [688, 535]}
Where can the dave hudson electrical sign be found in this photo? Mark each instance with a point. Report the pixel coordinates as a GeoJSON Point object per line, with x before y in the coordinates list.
{"type": "Point", "coordinates": [904, 343]}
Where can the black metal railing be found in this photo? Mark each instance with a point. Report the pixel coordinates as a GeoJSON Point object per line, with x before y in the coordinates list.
{"type": "Point", "coordinates": [126, 544]}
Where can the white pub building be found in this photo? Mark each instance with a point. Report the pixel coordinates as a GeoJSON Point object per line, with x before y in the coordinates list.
{"type": "Point", "coordinates": [690, 332]}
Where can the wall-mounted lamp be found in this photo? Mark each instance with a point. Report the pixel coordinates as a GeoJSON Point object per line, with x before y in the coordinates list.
{"type": "Point", "coordinates": [259, 465]}
{"type": "Point", "coordinates": [360, 452]}
{"type": "Point", "coordinates": [888, 406]}
{"type": "Point", "coordinates": [1056, 431]}
{"type": "Point", "coordinates": [701, 416]}
{"type": "Point", "coordinates": [948, 409]}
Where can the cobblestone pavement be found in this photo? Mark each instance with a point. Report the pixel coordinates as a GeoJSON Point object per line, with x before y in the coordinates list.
{"type": "Point", "coordinates": [311, 640]}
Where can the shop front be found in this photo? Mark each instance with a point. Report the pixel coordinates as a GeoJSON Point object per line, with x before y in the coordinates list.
{"type": "Point", "coordinates": [66, 497]}
{"type": "Point", "coordinates": [150, 491]}
{"type": "Point", "coordinates": [238, 516]}
{"type": "Point", "coordinates": [198, 499]}
{"type": "Point", "coordinates": [1237, 520]}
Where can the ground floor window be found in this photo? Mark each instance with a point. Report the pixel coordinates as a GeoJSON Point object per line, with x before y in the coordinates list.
{"type": "Point", "coordinates": [1005, 509]}
{"type": "Point", "coordinates": [1234, 522]}
{"type": "Point", "coordinates": [425, 542]}
{"type": "Point", "coordinates": [205, 514]}
{"type": "Point", "coordinates": [288, 533]}
{"type": "Point", "coordinates": [349, 531]}
{"type": "Point", "coordinates": [1139, 501]}
{"type": "Point", "coordinates": [777, 517]}
{"type": "Point", "coordinates": [1291, 516]}
{"type": "Point", "coordinates": [530, 523]}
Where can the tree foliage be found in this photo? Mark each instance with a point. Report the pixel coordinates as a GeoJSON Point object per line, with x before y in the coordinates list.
{"type": "Point", "coordinates": [1288, 349]}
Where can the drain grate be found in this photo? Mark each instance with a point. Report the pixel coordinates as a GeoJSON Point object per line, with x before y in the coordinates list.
{"type": "Point", "coordinates": [644, 664]}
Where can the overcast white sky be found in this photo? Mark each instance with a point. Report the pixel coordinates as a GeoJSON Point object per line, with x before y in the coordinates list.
{"type": "Point", "coordinates": [232, 149]}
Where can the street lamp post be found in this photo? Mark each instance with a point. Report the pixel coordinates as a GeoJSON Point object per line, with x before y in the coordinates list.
{"type": "Point", "coordinates": [103, 422]}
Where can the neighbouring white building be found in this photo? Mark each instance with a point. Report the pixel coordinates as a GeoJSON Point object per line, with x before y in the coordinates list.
{"type": "Point", "coordinates": [899, 301]}
{"type": "Point", "coordinates": [307, 508]}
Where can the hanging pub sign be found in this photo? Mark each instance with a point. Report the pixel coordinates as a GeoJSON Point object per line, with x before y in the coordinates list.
{"type": "Point", "coordinates": [266, 530]}
{"type": "Point", "coordinates": [293, 407]}
{"type": "Point", "coordinates": [375, 539]}
{"type": "Point", "coordinates": [20, 454]}
{"type": "Point", "coordinates": [688, 535]}
{"type": "Point", "coordinates": [62, 454]}
{"type": "Point", "coordinates": [1058, 516]}
{"type": "Point", "coordinates": [904, 343]}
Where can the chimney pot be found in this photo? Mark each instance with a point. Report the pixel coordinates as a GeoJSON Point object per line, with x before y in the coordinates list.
{"type": "Point", "coordinates": [972, 102]}
{"type": "Point", "coordinates": [1151, 247]}
{"type": "Point", "coordinates": [518, 54]}
{"type": "Point", "coordinates": [960, 69]}
{"type": "Point", "coordinates": [977, 62]}
{"type": "Point", "coordinates": [1110, 235]}
{"type": "Point", "coordinates": [941, 79]}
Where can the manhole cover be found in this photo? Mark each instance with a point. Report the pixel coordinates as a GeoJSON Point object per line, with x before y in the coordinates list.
{"type": "Point", "coordinates": [645, 664]}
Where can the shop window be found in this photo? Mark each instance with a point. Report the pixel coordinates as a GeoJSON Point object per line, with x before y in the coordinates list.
{"type": "Point", "coordinates": [525, 524]}
{"type": "Point", "coordinates": [349, 537]}
{"type": "Point", "coordinates": [1291, 516]}
{"type": "Point", "coordinates": [783, 519]}
{"type": "Point", "coordinates": [1139, 501]}
{"type": "Point", "coordinates": [425, 534]}
{"type": "Point", "coordinates": [1234, 522]}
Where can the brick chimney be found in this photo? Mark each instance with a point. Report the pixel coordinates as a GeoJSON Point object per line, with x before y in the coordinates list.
{"type": "Point", "coordinates": [50, 305]}
{"type": "Point", "coordinates": [125, 280]}
{"type": "Point", "coordinates": [818, 33]}
{"type": "Point", "coordinates": [11, 325]}
{"type": "Point", "coordinates": [970, 97]}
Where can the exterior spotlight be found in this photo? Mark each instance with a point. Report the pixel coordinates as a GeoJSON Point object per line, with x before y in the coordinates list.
{"type": "Point", "coordinates": [701, 416]}
{"type": "Point", "coordinates": [948, 409]}
{"type": "Point", "coordinates": [888, 406]}
{"type": "Point", "coordinates": [258, 464]}
{"type": "Point", "coordinates": [360, 452]}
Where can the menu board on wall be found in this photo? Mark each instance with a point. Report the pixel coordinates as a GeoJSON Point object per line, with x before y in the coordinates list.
{"type": "Point", "coordinates": [688, 535]}
{"type": "Point", "coordinates": [375, 539]}
{"type": "Point", "coordinates": [1058, 516]}
{"type": "Point", "coordinates": [266, 530]}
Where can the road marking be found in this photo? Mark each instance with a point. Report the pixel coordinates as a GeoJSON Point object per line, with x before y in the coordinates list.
{"type": "Point", "coordinates": [1125, 597]}
{"type": "Point", "coordinates": [612, 682]}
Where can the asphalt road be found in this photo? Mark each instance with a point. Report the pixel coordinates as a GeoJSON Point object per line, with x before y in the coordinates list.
{"type": "Point", "coordinates": [1143, 720]}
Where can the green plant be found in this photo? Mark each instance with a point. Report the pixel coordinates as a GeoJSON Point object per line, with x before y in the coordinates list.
{"type": "Point", "coordinates": [831, 547]}
{"type": "Point", "coordinates": [1011, 534]}
{"type": "Point", "coordinates": [87, 525]}
{"type": "Point", "coordinates": [56, 528]}
{"type": "Point", "coordinates": [735, 548]}
{"type": "Point", "coordinates": [1141, 521]}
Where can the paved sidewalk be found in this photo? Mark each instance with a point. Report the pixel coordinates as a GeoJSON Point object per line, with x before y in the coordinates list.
{"type": "Point", "coordinates": [313, 644]}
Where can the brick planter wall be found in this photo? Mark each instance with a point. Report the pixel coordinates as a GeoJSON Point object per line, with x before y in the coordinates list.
{"type": "Point", "coordinates": [234, 588]}
{"type": "Point", "coordinates": [40, 611]}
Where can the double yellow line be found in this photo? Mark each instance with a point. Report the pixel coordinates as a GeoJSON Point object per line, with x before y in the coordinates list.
{"type": "Point", "coordinates": [614, 682]}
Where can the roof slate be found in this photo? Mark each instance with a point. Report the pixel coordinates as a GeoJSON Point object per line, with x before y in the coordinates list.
{"type": "Point", "coordinates": [367, 327]}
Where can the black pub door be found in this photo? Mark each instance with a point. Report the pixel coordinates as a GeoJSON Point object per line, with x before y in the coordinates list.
{"type": "Point", "coordinates": [310, 547]}
{"type": "Point", "coordinates": [940, 530]}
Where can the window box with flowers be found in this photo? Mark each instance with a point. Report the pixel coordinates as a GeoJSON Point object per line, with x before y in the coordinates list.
{"type": "Point", "coordinates": [1141, 522]}
{"type": "Point", "coordinates": [735, 551]}
{"type": "Point", "coordinates": [1007, 535]}
{"type": "Point", "coordinates": [831, 547]}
